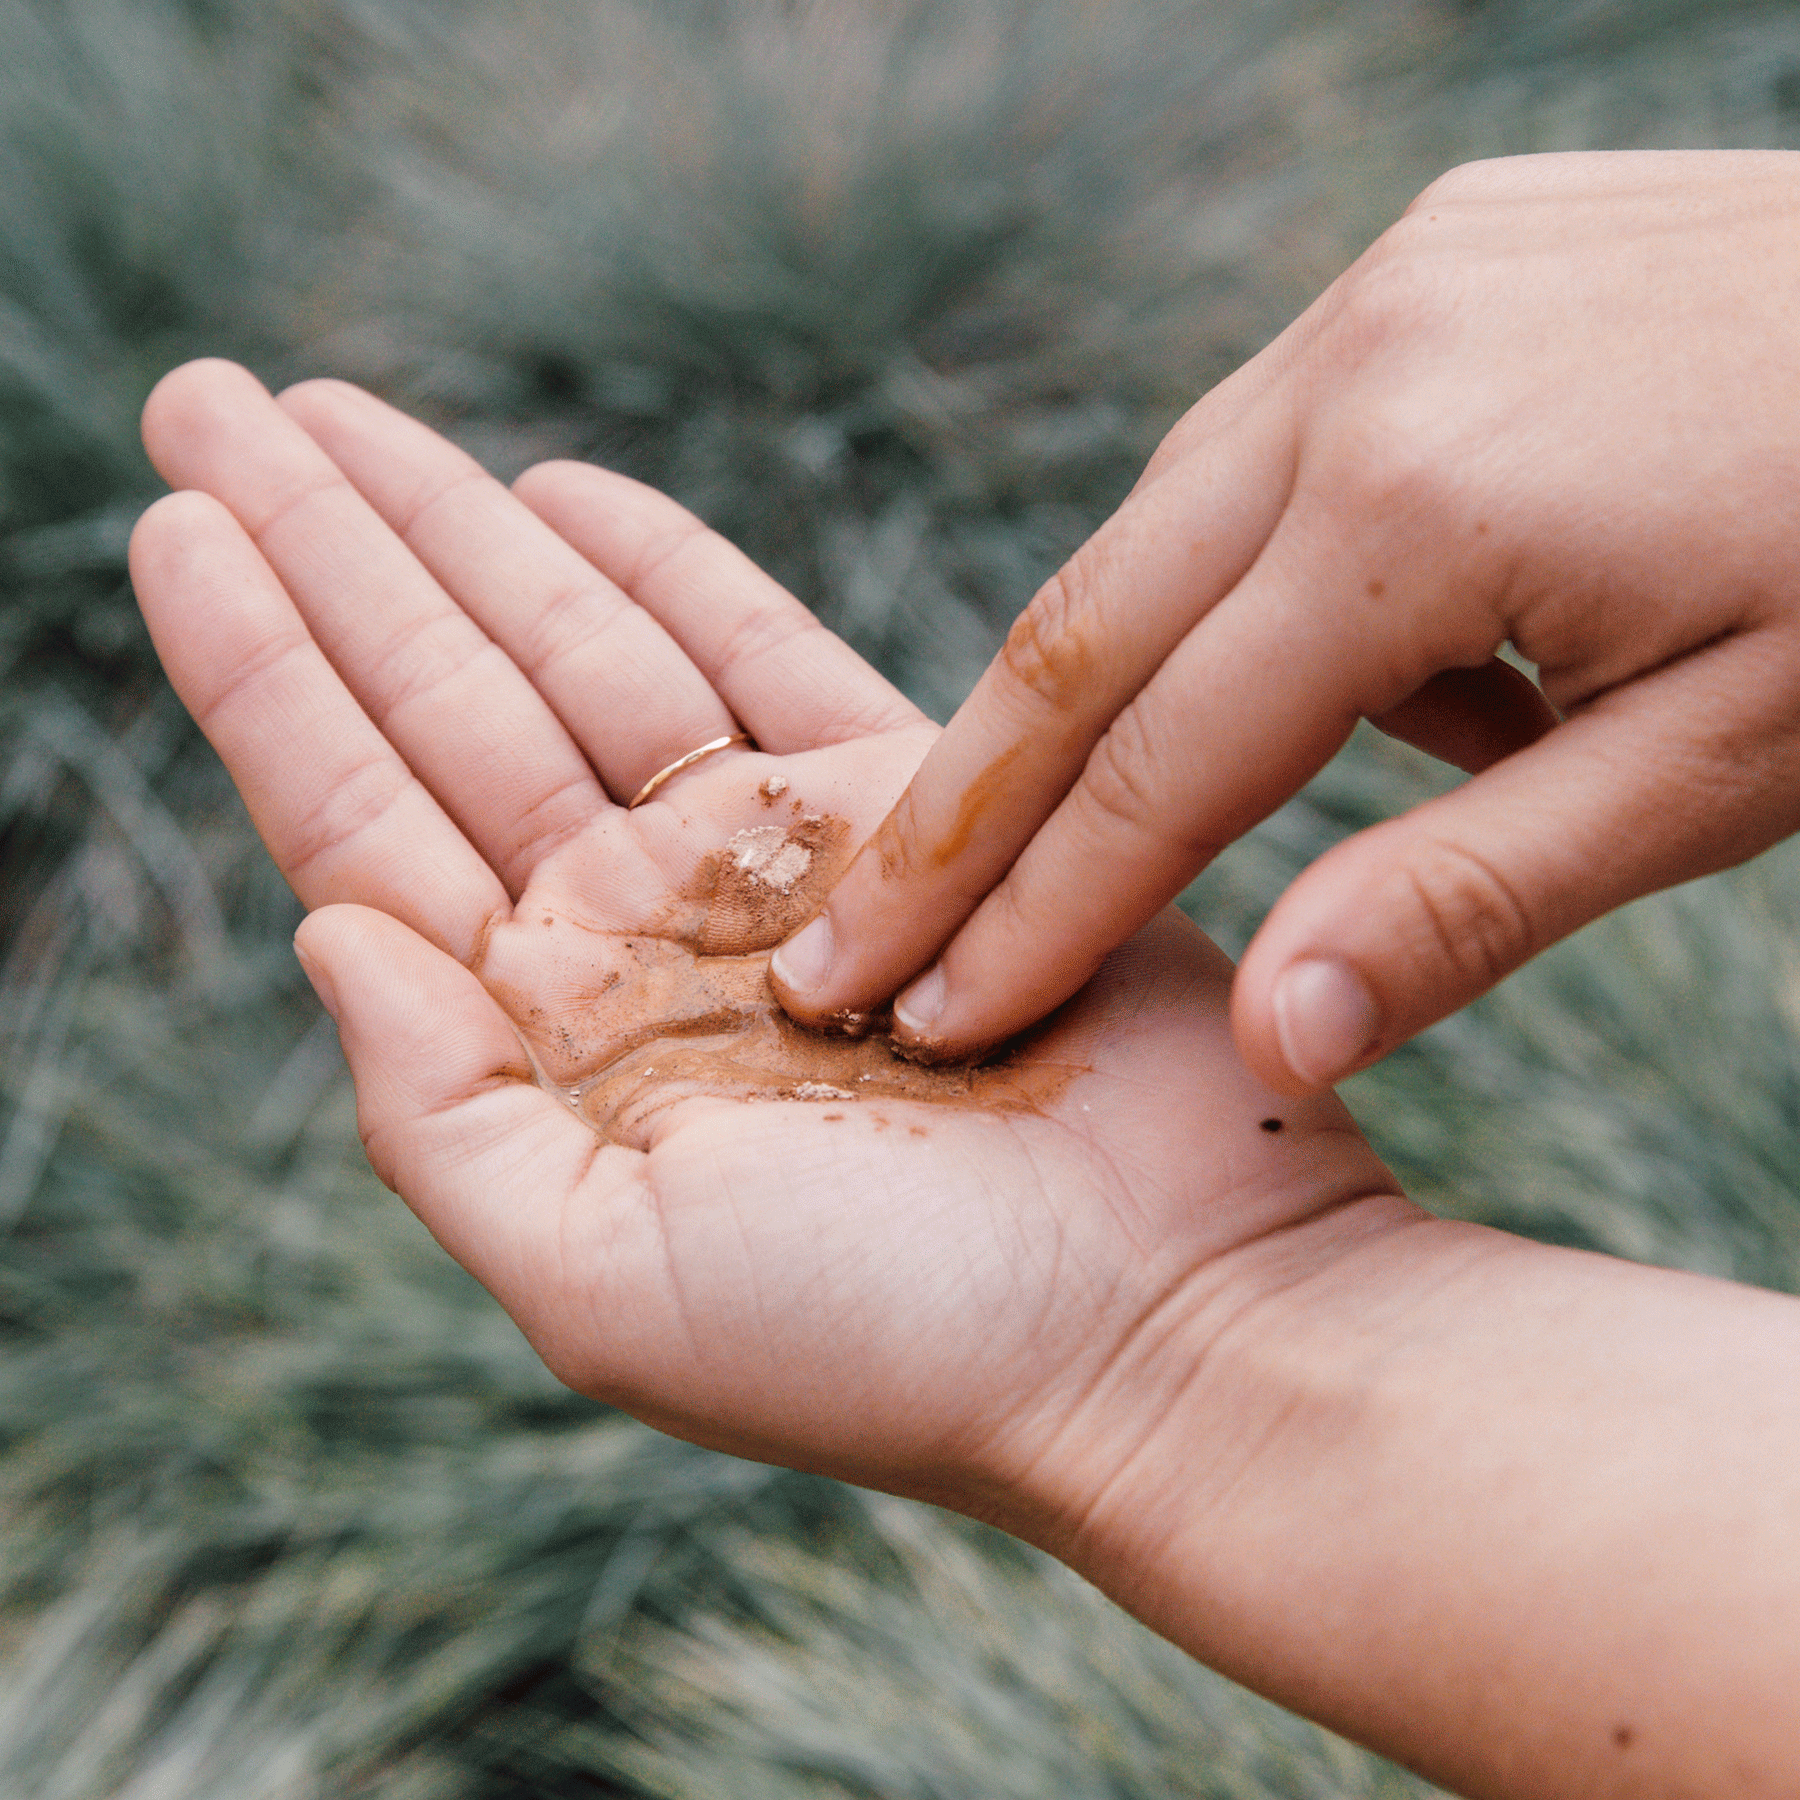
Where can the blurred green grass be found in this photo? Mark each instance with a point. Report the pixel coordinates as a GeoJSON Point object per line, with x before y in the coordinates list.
{"type": "Point", "coordinates": [899, 295]}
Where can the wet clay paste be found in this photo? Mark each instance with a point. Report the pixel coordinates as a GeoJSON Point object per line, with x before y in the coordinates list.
{"type": "Point", "coordinates": [686, 1008]}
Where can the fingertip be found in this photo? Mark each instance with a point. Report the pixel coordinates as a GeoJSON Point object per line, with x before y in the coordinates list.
{"type": "Point", "coordinates": [166, 530]}
{"type": "Point", "coordinates": [331, 941]}
{"type": "Point", "coordinates": [387, 958]}
{"type": "Point", "coordinates": [1304, 1013]}
{"type": "Point", "coordinates": [181, 383]}
{"type": "Point", "coordinates": [566, 494]}
{"type": "Point", "coordinates": [800, 968]}
{"type": "Point", "coordinates": [1327, 1021]}
{"type": "Point", "coordinates": [319, 394]}
{"type": "Point", "coordinates": [1258, 1042]}
{"type": "Point", "coordinates": [181, 404]}
{"type": "Point", "coordinates": [918, 1008]}
{"type": "Point", "coordinates": [449, 1108]}
{"type": "Point", "coordinates": [419, 1030]}
{"type": "Point", "coordinates": [325, 928]}
{"type": "Point", "coordinates": [317, 973]}
{"type": "Point", "coordinates": [547, 480]}
{"type": "Point", "coordinates": [180, 547]}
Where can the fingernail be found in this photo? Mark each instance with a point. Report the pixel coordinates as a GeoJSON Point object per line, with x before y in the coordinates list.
{"type": "Point", "coordinates": [919, 1007]}
{"type": "Point", "coordinates": [321, 982]}
{"type": "Point", "coordinates": [1325, 1019]}
{"type": "Point", "coordinates": [803, 962]}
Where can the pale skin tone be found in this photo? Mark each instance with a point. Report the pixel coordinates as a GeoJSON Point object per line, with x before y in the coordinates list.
{"type": "Point", "coordinates": [1527, 1519]}
{"type": "Point", "coordinates": [1554, 406]}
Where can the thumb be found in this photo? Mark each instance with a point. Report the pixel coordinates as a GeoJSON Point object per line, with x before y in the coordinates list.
{"type": "Point", "coordinates": [1685, 772]}
{"type": "Point", "coordinates": [452, 1117]}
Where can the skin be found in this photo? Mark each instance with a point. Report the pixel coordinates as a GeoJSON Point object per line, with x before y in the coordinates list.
{"type": "Point", "coordinates": [1554, 406]}
{"type": "Point", "coordinates": [1527, 1519]}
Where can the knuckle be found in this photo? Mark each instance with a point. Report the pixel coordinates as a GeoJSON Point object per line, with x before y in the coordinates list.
{"type": "Point", "coordinates": [452, 494]}
{"type": "Point", "coordinates": [1049, 652]}
{"type": "Point", "coordinates": [1397, 307]}
{"type": "Point", "coordinates": [1394, 464]}
{"type": "Point", "coordinates": [572, 616]}
{"type": "Point", "coordinates": [898, 848]}
{"type": "Point", "coordinates": [1384, 300]}
{"type": "Point", "coordinates": [1388, 467]}
{"type": "Point", "coordinates": [353, 803]}
{"type": "Point", "coordinates": [1120, 785]}
{"type": "Point", "coordinates": [764, 632]}
{"type": "Point", "coordinates": [426, 658]}
{"type": "Point", "coordinates": [1471, 913]}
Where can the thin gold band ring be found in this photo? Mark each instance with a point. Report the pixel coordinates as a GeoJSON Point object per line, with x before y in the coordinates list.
{"type": "Point", "coordinates": [682, 763]}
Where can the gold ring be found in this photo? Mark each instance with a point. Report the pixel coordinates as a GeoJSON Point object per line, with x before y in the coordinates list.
{"type": "Point", "coordinates": [685, 762]}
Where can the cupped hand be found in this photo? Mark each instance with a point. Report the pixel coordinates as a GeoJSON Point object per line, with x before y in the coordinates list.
{"type": "Point", "coordinates": [1558, 405]}
{"type": "Point", "coordinates": [437, 697]}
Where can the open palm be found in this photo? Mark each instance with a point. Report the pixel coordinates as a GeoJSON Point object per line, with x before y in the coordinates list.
{"type": "Point", "coordinates": [437, 696]}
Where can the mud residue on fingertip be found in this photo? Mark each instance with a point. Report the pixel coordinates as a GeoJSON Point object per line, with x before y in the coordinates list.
{"type": "Point", "coordinates": [935, 1053]}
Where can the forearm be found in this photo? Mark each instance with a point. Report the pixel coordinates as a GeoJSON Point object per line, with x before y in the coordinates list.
{"type": "Point", "coordinates": [1524, 1518]}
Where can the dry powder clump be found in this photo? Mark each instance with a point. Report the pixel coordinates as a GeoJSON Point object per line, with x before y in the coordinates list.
{"type": "Point", "coordinates": [761, 885]}
{"type": "Point", "coordinates": [767, 854]}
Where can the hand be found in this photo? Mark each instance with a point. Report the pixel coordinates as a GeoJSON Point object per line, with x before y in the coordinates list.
{"type": "Point", "coordinates": [1558, 404]}
{"type": "Point", "coordinates": [1300, 1428]}
{"type": "Point", "coordinates": [434, 695]}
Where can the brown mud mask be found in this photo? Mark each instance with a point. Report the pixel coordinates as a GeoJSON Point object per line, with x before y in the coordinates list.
{"type": "Point", "coordinates": [684, 1007]}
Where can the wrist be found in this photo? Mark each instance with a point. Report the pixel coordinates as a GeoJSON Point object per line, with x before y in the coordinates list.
{"type": "Point", "coordinates": [1525, 1518]}
{"type": "Point", "coordinates": [1171, 1425]}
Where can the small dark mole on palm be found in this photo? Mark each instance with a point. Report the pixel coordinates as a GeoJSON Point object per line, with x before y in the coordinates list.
{"type": "Point", "coordinates": [1271, 1125]}
{"type": "Point", "coordinates": [1623, 1736]}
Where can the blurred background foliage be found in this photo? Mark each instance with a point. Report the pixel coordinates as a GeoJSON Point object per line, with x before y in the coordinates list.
{"type": "Point", "coordinates": [899, 294]}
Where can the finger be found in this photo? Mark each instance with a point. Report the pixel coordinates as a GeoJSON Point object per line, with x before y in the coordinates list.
{"type": "Point", "coordinates": [795, 685]}
{"type": "Point", "coordinates": [1472, 718]}
{"type": "Point", "coordinates": [621, 685]}
{"type": "Point", "coordinates": [342, 814]}
{"type": "Point", "coordinates": [1076, 657]}
{"type": "Point", "coordinates": [451, 702]}
{"type": "Point", "coordinates": [1204, 752]}
{"type": "Point", "coordinates": [503, 1175]}
{"type": "Point", "coordinates": [1242, 713]}
{"type": "Point", "coordinates": [1688, 771]}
